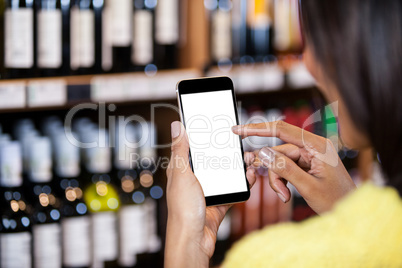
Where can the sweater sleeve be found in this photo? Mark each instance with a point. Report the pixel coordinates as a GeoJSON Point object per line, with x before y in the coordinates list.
{"type": "Point", "coordinates": [364, 230]}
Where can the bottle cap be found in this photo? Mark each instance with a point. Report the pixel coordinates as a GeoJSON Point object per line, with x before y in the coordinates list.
{"type": "Point", "coordinates": [23, 126]}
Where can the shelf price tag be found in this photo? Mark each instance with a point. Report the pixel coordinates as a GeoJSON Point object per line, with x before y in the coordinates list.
{"type": "Point", "coordinates": [137, 87]}
{"type": "Point", "coordinates": [273, 77]}
{"type": "Point", "coordinates": [248, 80]}
{"type": "Point", "coordinates": [12, 95]}
{"type": "Point", "coordinates": [107, 89]}
{"type": "Point", "coordinates": [47, 93]}
{"type": "Point", "coordinates": [299, 77]}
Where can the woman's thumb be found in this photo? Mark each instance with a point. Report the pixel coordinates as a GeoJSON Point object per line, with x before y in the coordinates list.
{"type": "Point", "coordinates": [180, 145]}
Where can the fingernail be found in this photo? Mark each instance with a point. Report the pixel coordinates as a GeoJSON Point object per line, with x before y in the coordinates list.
{"type": "Point", "coordinates": [249, 158]}
{"type": "Point", "coordinates": [175, 128]}
{"type": "Point", "coordinates": [281, 197]}
{"type": "Point", "coordinates": [266, 155]}
{"type": "Point", "coordinates": [236, 128]}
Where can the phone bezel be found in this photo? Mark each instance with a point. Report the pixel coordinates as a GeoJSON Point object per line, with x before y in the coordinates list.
{"type": "Point", "coordinates": [213, 84]}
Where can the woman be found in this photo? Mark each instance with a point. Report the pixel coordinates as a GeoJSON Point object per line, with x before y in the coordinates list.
{"type": "Point", "coordinates": [354, 51]}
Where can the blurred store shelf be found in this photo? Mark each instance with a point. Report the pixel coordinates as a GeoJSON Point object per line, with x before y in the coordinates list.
{"type": "Point", "coordinates": [65, 92]}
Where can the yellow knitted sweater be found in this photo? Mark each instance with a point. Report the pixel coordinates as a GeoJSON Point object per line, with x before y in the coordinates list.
{"type": "Point", "coordinates": [363, 230]}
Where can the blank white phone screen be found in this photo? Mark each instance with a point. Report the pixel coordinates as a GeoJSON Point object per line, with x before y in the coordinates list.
{"type": "Point", "coordinates": [215, 150]}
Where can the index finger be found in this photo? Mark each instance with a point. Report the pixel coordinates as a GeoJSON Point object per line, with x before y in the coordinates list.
{"type": "Point", "coordinates": [282, 130]}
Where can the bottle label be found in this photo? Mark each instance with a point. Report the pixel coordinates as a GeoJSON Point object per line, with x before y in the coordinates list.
{"type": "Point", "coordinates": [221, 35]}
{"type": "Point", "coordinates": [11, 170]}
{"type": "Point", "coordinates": [107, 41]}
{"type": "Point", "coordinates": [67, 160]}
{"type": "Point", "coordinates": [82, 23]}
{"type": "Point", "coordinates": [126, 147]}
{"type": "Point", "coordinates": [167, 22]}
{"type": "Point", "coordinates": [143, 39]}
{"type": "Point", "coordinates": [76, 242]}
{"type": "Point", "coordinates": [133, 233]}
{"type": "Point", "coordinates": [104, 234]}
{"type": "Point", "coordinates": [47, 245]}
{"type": "Point", "coordinates": [98, 159]}
{"type": "Point", "coordinates": [15, 250]}
{"type": "Point", "coordinates": [18, 38]}
{"type": "Point", "coordinates": [75, 38]}
{"type": "Point", "coordinates": [12, 95]}
{"type": "Point", "coordinates": [49, 39]}
{"type": "Point", "coordinates": [87, 38]}
{"type": "Point", "coordinates": [40, 168]}
{"type": "Point", "coordinates": [282, 39]}
{"type": "Point", "coordinates": [121, 19]}
{"type": "Point", "coordinates": [154, 241]}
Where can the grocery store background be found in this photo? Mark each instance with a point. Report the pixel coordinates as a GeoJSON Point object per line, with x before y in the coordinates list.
{"type": "Point", "coordinates": [111, 66]}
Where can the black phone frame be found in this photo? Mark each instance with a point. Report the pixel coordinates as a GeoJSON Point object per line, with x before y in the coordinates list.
{"type": "Point", "coordinates": [213, 84]}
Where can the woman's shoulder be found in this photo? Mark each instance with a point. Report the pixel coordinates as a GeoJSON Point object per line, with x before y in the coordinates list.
{"type": "Point", "coordinates": [363, 230]}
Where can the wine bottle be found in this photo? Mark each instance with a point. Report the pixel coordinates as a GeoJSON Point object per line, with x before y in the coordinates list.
{"type": "Point", "coordinates": [152, 191]}
{"type": "Point", "coordinates": [49, 43]}
{"type": "Point", "coordinates": [132, 214]}
{"type": "Point", "coordinates": [82, 28]}
{"type": "Point", "coordinates": [107, 41]}
{"type": "Point", "coordinates": [122, 21]}
{"type": "Point", "coordinates": [221, 42]}
{"type": "Point", "coordinates": [65, 11]}
{"type": "Point", "coordinates": [2, 69]}
{"type": "Point", "coordinates": [282, 38]}
{"type": "Point", "coordinates": [76, 222]}
{"type": "Point", "coordinates": [46, 215]}
{"type": "Point", "coordinates": [19, 38]}
{"type": "Point", "coordinates": [166, 33]}
{"type": "Point", "coordinates": [239, 29]}
{"type": "Point", "coordinates": [98, 7]}
{"type": "Point", "coordinates": [143, 44]}
{"type": "Point", "coordinates": [15, 225]}
{"type": "Point", "coordinates": [259, 28]}
{"type": "Point", "coordinates": [102, 200]}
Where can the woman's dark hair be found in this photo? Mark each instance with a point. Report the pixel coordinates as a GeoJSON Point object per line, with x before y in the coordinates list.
{"type": "Point", "coordinates": [358, 44]}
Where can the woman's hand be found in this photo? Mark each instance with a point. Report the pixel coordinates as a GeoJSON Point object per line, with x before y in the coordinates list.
{"type": "Point", "coordinates": [192, 227]}
{"type": "Point", "coordinates": [308, 161]}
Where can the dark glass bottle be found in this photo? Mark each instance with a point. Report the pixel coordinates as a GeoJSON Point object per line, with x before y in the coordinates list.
{"type": "Point", "coordinates": [166, 33]}
{"type": "Point", "coordinates": [142, 53]}
{"type": "Point", "coordinates": [259, 29]}
{"type": "Point", "coordinates": [98, 6]}
{"type": "Point", "coordinates": [132, 223]}
{"type": "Point", "coordinates": [107, 32]}
{"type": "Point", "coordinates": [239, 29]}
{"type": "Point", "coordinates": [101, 199]}
{"type": "Point", "coordinates": [82, 38]}
{"type": "Point", "coordinates": [121, 35]}
{"type": "Point", "coordinates": [15, 224]}
{"type": "Point", "coordinates": [2, 69]}
{"type": "Point", "coordinates": [221, 41]}
{"type": "Point", "coordinates": [76, 221]}
{"type": "Point", "coordinates": [46, 230]}
{"type": "Point", "coordinates": [49, 39]}
{"type": "Point", "coordinates": [152, 191]}
{"type": "Point", "coordinates": [19, 39]}
{"type": "Point", "coordinates": [65, 10]}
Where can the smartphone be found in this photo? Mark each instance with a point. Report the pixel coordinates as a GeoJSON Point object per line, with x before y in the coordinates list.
{"type": "Point", "coordinates": [208, 111]}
